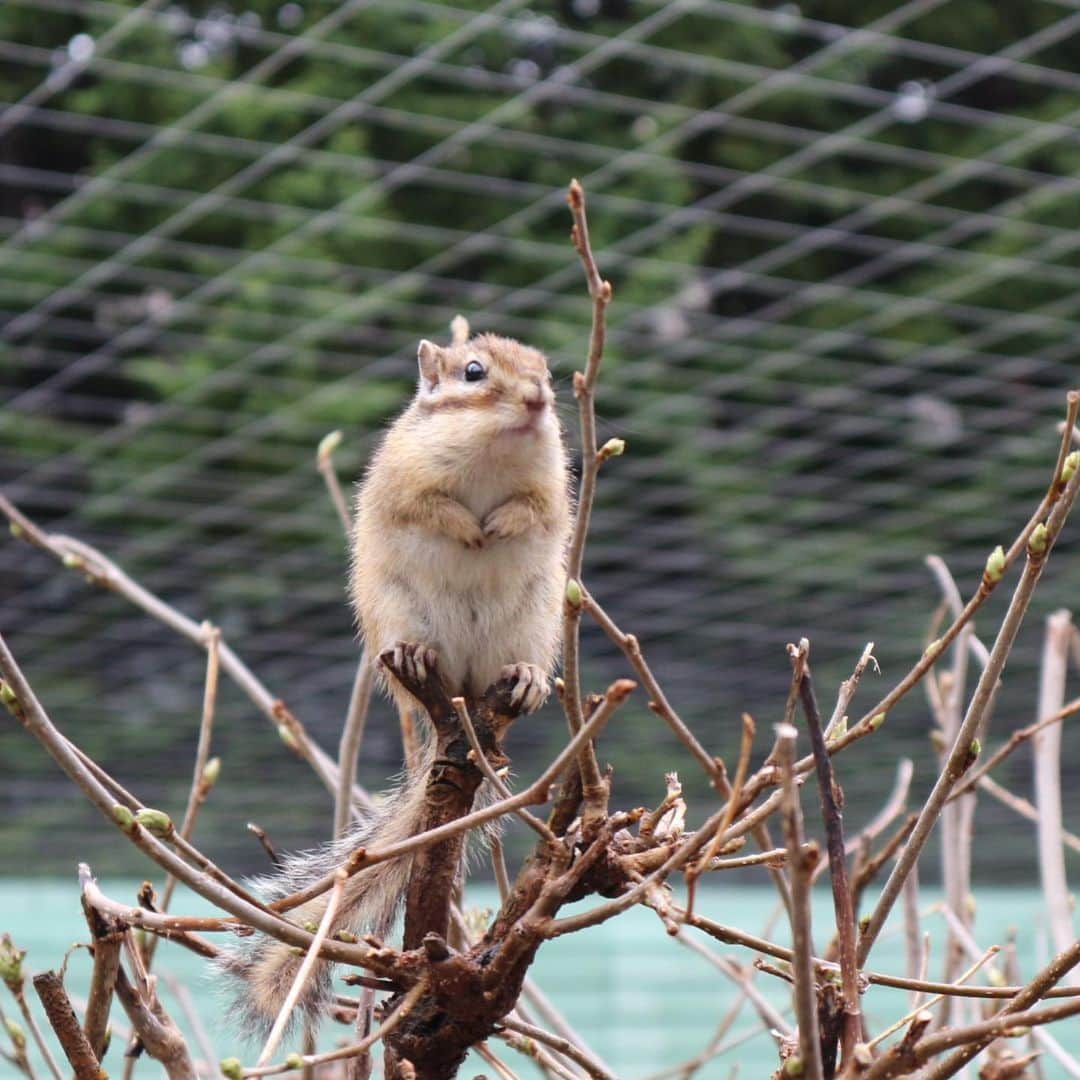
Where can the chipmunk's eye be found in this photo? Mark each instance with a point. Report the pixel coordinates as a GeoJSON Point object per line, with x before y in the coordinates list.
{"type": "Point", "coordinates": [474, 371]}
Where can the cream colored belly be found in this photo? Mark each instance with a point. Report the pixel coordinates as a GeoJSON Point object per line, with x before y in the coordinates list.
{"type": "Point", "coordinates": [480, 610]}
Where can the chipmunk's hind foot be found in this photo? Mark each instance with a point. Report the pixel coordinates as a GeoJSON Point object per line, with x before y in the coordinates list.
{"type": "Point", "coordinates": [529, 686]}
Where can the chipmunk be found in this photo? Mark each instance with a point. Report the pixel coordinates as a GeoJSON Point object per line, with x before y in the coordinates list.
{"type": "Point", "coordinates": [458, 550]}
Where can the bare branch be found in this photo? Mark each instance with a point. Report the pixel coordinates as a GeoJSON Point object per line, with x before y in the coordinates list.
{"type": "Point", "coordinates": [805, 993]}
{"type": "Point", "coordinates": [62, 1018]}
{"type": "Point", "coordinates": [959, 756]}
{"type": "Point", "coordinates": [352, 735]}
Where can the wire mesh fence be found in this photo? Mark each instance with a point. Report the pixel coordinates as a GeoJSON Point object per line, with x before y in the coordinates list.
{"type": "Point", "coordinates": [843, 240]}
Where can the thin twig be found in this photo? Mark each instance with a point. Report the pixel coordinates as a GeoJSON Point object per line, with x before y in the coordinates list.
{"type": "Point", "coordinates": [492, 777]}
{"type": "Point", "coordinates": [1022, 807]}
{"type": "Point", "coordinates": [104, 573]}
{"type": "Point", "coordinates": [772, 1020]}
{"type": "Point", "coordinates": [401, 1010]}
{"type": "Point", "coordinates": [324, 462]}
{"type": "Point", "coordinates": [843, 904]}
{"type": "Point", "coordinates": [592, 1065]}
{"type": "Point", "coordinates": [658, 702]}
{"type": "Point", "coordinates": [802, 967]}
{"type": "Point", "coordinates": [203, 778]}
{"type": "Point", "coordinates": [153, 1027]}
{"type": "Point", "coordinates": [1039, 987]}
{"type": "Point", "coordinates": [1016, 739]}
{"type": "Point", "coordinates": [352, 736]}
{"type": "Point", "coordinates": [745, 747]}
{"type": "Point", "coordinates": [962, 978]}
{"type": "Point", "coordinates": [1046, 755]}
{"type": "Point", "coordinates": [35, 1031]}
{"type": "Point", "coordinates": [1049, 502]}
{"type": "Point", "coordinates": [959, 756]}
{"type": "Point", "coordinates": [971, 1038]}
{"type": "Point", "coordinates": [502, 1069]}
{"type": "Point", "coordinates": [284, 1015]}
{"type": "Point", "coordinates": [849, 686]}
{"type": "Point", "coordinates": [593, 787]}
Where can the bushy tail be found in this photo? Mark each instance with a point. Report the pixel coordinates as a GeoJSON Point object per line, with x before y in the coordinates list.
{"type": "Point", "coordinates": [266, 968]}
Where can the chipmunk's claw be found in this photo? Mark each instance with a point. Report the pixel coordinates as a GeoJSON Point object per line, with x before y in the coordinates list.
{"type": "Point", "coordinates": [416, 667]}
{"type": "Point", "coordinates": [530, 686]}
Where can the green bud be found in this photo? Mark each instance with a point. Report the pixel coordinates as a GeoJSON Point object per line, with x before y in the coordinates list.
{"type": "Point", "coordinates": [995, 565]}
{"type": "Point", "coordinates": [612, 448]}
{"type": "Point", "coordinates": [864, 922]}
{"type": "Point", "coordinates": [1039, 540]}
{"type": "Point", "coordinates": [346, 937]}
{"type": "Point", "coordinates": [287, 737]}
{"type": "Point", "coordinates": [18, 1036]}
{"type": "Point", "coordinates": [311, 927]}
{"type": "Point", "coordinates": [1072, 463]}
{"type": "Point", "coordinates": [573, 593]}
{"type": "Point", "coordinates": [155, 821]}
{"type": "Point", "coordinates": [975, 749]}
{"type": "Point", "coordinates": [793, 1067]}
{"type": "Point", "coordinates": [211, 771]}
{"type": "Point", "coordinates": [122, 816]}
{"type": "Point", "coordinates": [841, 727]}
{"type": "Point", "coordinates": [328, 444]}
{"type": "Point", "coordinates": [11, 959]}
{"type": "Point", "coordinates": [876, 721]}
{"type": "Point", "coordinates": [7, 695]}
{"type": "Point", "coordinates": [995, 977]}
{"type": "Point", "coordinates": [933, 648]}
{"type": "Point", "coordinates": [294, 1061]}
{"type": "Point", "coordinates": [1017, 1032]}
{"type": "Point", "coordinates": [16, 530]}
{"type": "Point", "coordinates": [72, 561]}
{"type": "Point", "coordinates": [232, 1069]}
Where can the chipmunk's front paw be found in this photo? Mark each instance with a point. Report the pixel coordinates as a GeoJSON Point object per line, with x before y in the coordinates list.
{"type": "Point", "coordinates": [472, 536]}
{"type": "Point", "coordinates": [507, 521]}
{"type": "Point", "coordinates": [530, 686]}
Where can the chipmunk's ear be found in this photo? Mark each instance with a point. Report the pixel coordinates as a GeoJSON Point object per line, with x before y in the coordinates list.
{"type": "Point", "coordinates": [428, 356]}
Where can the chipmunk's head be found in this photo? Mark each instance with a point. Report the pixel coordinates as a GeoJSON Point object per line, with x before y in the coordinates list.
{"type": "Point", "coordinates": [502, 386]}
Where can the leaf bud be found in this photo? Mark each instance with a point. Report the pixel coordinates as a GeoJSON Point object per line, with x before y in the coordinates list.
{"type": "Point", "coordinates": [18, 1036]}
{"type": "Point", "coordinates": [294, 1061]}
{"type": "Point", "coordinates": [211, 772]}
{"type": "Point", "coordinates": [155, 821]}
{"type": "Point", "coordinates": [122, 816]}
{"type": "Point", "coordinates": [573, 593]}
{"type": "Point", "coordinates": [11, 958]}
{"type": "Point", "coordinates": [877, 720]}
{"type": "Point", "coordinates": [286, 736]}
{"type": "Point", "coordinates": [16, 530]}
{"type": "Point", "coordinates": [612, 448]}
{"type": "Point", "coordinates": [7, 695]}
{"type": "Point", "coordinates": [793, 1067]}
{"type": "Point", "coordinates": [232, 1069]}
{"type": "Point", "coordinates": [328, 444]}
{"type": "Point", "coordinates": [1068, 469]}
{"type": "Point", "coordinates": [1039, 540]}
{"type": "Point", "coordinates": [995, 565]}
